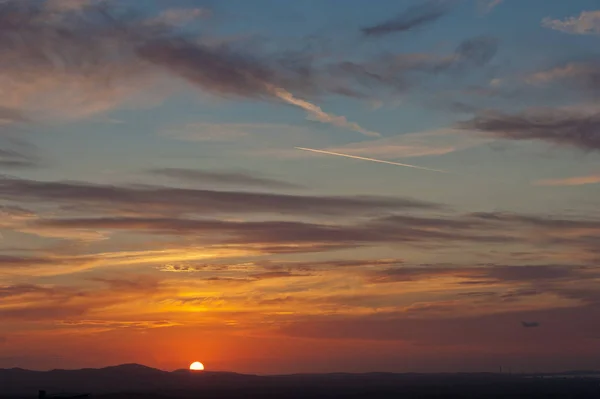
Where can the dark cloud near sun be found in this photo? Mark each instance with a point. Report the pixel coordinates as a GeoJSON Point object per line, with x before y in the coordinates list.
{"type": "Point", "coordinates": [12, 261]}
{"type": "Point", "coordinates": [100, 210]}
{"type": "Point", "coordinates": [139, 284]}
{"type": "Point", "coordinates": [222, 178]}
{"type": "Point", "coordinates": [414, 17]}
{"type": "Point", "coordinates": [284, 232]}
{"type": "Point", "coordinates": [191, 213]}
{"type": "Point", "coordinates": [24, 289]}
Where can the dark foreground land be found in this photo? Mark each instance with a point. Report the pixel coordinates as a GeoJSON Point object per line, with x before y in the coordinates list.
{"type": "Point", "coordinates": [135, 381]}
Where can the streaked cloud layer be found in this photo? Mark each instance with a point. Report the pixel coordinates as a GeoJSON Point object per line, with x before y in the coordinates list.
{"type": "Point", "coordinates": [173, 184]}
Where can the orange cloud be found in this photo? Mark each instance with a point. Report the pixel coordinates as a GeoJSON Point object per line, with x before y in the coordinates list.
{"type": "Point", "coordinates": [569, 181]}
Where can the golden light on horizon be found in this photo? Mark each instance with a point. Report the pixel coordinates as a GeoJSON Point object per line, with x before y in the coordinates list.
{"type": "Point", "coordinates": [197, 366]}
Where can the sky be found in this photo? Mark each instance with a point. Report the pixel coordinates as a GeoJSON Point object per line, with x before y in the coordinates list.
{"type": "Point", "coordinates": [277, 187]}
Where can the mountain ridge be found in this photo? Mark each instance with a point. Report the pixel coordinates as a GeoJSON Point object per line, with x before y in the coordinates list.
{"type": "Point", "coordinates": [139, 378]}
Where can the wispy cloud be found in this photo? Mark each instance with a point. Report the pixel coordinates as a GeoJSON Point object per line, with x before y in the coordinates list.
{"type": "Point", "coordinates": [10, 158]}
{"type": "Point", "coordinates": [485, 274]}
{"type": "Point", "coordinates": [569, 181]}
{"type": "Point", "coordinates": [316, 113]}
{"type": "Point", "coordinates": [232, 132]}
{"type": "Point", "coordinates": [586, 72]}
{"type": "Point", "coordinates": [486, 6]}
{"type": "Point", "coordinates": [128, 58]}
{"type": "Point", "coordinates": [587, 23]}
{"type": "Point", "coordinates": [421, 144]}
{"type": "Point", "coordinates": [223, 178]}
{"type": "Point", "coordinates": [568, 127]}
{"type": "Point", "coordinates": [369, 159]}
{"type": "Point", "coordinates": [17, 153]}
{"type": "Point", "coordinates": [181, 16]}
{"type": "Point", "coordinates": [414, 17]}
{"type": "Point", "coordinates": [169, 200]}
{"type": "Point", "coordinates": [92, 68]}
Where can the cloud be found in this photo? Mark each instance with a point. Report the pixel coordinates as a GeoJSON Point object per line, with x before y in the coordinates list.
{"type": "Point", "coordinates": [211, 132]}
{"type": "Point", "coordinates": [299, 266]}
{"type": "Point", "coordinates": [351, 263]}
{"type": "Point", "coordinates": [222, 178]}
{"type": "Point", "coordinates": [549, 224]}
{"type": "Point", "coordinates": [396, 230]}
{"type": "Point", "coordinates": [500, 332]}
{"type": "Point", "coordinates": [569, 181]}
{"type": "Point", "coordinates": [571, 128]}
{"type": "Point", "coordinates": [398, 73]}
{"type": "Point", "coordinates": [204, 218]}
{"type": "Point", "coordinates": [429, 143]}
{"type": "Point", "coordinates": [139, 284]}
{"type": "Point", "coordinates": [181, 16]}
{"type": "Point", "coordinates": [486, 6]}
{"type": "Point", "coordinates": [315, 112]}
{"type": "Point", "coordinates": [221, 71]}
{"type": "Point", "coordinates": [16, 153]}
{"type": "Point", "coordinates": [585, 73]}
{"type": "Point", "coordinates": [117, 324]}
{"type": "Point", "coordinates": [41, 312]}
{"type": "Point", "coordinates": [587, 23]}
{"type": "Point", "coordinates": [478, 50]}
{"type": "Point", "coordinates": [289, 236]}
{"type": "Point", "coordinates": [485, 274]}
{"type": "Point", "coordinates": [11, 116]}
{"type": "Point", "coordinates": [90, 58]}
{"type": "Point", "coordinates": [579, 79]}
{"type": "Point", "coordinates": [30, 301]}
{"type": "Point", "coordinates": [54, 303]}
{"type": "Point", "coordinates": [24, 289]}
{"type": "Point", "coordinates": [241, 273]}
{"type": "Point", "coordinates": [148, 199]}
{"type": "Point", "coordinates": [13, 159]}
{"type": "Point", "coordinates": [63, 58]}
{"type": "Point", "coordinates": [277, 274]}
{"type": "Point", "coordinates": [69, 5]}
{"type": "Point", "coordinates": [14, 265]}
{"type": "Point", "coordinates": [413, 17]}
{"type": "Point", "coordinates": [530, 324]}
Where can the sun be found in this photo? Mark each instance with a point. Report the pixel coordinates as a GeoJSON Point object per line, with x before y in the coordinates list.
{"type": "Point", "coordinates": [196, 366]}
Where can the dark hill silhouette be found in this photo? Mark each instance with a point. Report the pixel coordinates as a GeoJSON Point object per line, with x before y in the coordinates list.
{"type": "Point", "coordinates": [150, 382]}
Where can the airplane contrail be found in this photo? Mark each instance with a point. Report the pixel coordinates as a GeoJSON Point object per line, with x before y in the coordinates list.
{"type": "Point", "coordinates": [369, 159]}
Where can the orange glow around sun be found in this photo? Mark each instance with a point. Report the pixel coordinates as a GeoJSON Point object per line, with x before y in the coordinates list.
{"type": "Point", "coordinates": [196, 366]}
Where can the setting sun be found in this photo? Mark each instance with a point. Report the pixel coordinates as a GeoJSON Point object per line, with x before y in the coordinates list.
{"type": "Point", "coordinates": [197, 366]}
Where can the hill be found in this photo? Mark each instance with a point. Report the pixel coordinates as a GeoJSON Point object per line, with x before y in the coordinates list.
{"type": "Point", "coordinates": [133, 380]}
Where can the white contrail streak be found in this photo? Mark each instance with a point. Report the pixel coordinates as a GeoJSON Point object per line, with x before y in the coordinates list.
{"type": "Point", "coordinates": [369, 159]}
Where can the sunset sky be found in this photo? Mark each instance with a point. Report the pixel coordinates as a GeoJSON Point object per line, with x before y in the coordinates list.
{"type": "Point", "coordinates": [155, 207]}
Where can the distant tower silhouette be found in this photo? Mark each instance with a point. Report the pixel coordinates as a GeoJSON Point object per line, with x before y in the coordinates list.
{"type": "Point", "coordinates": [41, 394]}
